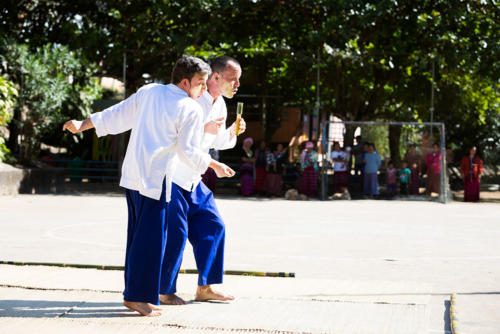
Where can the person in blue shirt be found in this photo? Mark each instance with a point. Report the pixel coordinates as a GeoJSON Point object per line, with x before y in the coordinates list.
{"type": "Point", "coordinates": [372, 163]}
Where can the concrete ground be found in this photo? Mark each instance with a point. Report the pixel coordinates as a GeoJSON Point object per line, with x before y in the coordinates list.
{"type": "Point", "coordinates": [361, 267]}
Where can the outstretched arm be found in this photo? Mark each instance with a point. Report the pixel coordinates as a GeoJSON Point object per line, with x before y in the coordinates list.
{"type": "Point", "coordinates": [75, 126]}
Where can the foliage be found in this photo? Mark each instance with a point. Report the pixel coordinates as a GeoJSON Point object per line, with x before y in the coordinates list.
{"type": "Point", "coordinates": [375, 57]}
{"type": "Point", "coordinates": [8, 94]}
{"type": "Point", "coordinates": [54, 84]}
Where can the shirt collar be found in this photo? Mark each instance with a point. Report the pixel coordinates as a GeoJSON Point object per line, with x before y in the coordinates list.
{"type": "Point", "coordinates": [176, 89]}
{"type": "Point", "coordinates": [209, 98]}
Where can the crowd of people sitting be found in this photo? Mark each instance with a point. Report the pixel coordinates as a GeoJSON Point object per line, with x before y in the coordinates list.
{"type": "Point", "coordinates": [360, 170]}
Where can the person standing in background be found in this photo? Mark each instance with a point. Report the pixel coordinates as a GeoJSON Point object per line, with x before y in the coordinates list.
{"type": "Point", "coordinates": [340, 161]}
{"type": "Point", "coordinates": [414, 162]}
{"type": "Point", "coordinates": [275, 170]}
{"type": "Point", "coordinates": [471, 170]}
{"type": "Point", "coordinates": [391, 180]}
{"type": "Point", "coordinates": [247, 167]}
{"type": "Point", "coordinates": [372, 163]}
{"type": "Point", "coordinates": [210, 178]}
{"type": "Point", "coordinates": [260, 168]}
{"type": "Point", "coordinates": [309, 166]}
{"type": "Point", "coordinates": [404, 177]}
{"type": "Point", "coordinates": [433, 162]}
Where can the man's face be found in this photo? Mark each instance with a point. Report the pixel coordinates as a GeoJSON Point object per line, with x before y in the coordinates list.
{"type": "Point", "coordinates": [196, 86]}
{"type": "Point", "coordinates": [229, 79]}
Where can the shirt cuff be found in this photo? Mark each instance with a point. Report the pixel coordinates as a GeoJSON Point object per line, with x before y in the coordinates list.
{"type": "Point", "coordinates": [98, 124]}
{"type": "Point", "coordinates": [205, 162]}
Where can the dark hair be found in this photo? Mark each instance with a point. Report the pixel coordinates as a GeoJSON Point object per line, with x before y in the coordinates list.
{"type": "Point", "coordinates": [187, 66]}
{"type": "Point", "coordinates": [219, 64]}
{"type": "Point", "coordinates": [390, 162]}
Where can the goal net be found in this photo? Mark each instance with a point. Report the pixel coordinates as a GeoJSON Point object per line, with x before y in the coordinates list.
{"type": "Point", "coordinates": [388, 160]}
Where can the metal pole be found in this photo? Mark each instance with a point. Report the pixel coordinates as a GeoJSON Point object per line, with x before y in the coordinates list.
{"type": "Point", "coordinates": [432, 97]}
{"type": "Point", "coordinates": [124, 75]}
{"type": "Point", "coordinates": [317, 83]}
{"type": "Point", "coordinates": [443, 179]}
{"type": "Point", "coordinates": [324, 177]}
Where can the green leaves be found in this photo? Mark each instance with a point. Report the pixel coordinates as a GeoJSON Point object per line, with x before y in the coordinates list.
{"type": "Point", "coordinates": [54, 84]}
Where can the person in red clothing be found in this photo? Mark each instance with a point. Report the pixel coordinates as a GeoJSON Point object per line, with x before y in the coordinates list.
{"type": "Point", "coordinates": [433, 162]}
{"type": "Point", "coordinates": [471, 170]}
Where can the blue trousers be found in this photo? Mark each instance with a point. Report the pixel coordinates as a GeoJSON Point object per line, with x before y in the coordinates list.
{"type": "Point", "coordinates": [146, 239]}
{"type": "Point", "coordinates": [193, 215]}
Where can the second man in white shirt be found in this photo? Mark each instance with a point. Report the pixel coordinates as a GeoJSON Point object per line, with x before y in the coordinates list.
{"type": "Point", "coordinates": [192, 213]}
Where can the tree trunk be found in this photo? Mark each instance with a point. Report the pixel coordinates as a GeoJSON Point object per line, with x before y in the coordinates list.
{"type": "Point", "coordinates": [349, 135]}
{"type": "Point", "coordinates": [27, 144]}
{"type": "Point", "coordinates": [14, 131]}
{"type": "Point", "coordinates": [394, 140]}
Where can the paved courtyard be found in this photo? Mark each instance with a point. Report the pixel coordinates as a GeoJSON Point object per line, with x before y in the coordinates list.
{"type": "Point", "coordinates": [361, 267]}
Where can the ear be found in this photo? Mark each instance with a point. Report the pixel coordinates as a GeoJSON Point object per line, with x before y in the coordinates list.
{"type": "Point", "coordinates": [185, 82]}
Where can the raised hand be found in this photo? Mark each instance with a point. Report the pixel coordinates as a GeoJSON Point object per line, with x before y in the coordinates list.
{"type": "Point", "coordinates": [214, 126]}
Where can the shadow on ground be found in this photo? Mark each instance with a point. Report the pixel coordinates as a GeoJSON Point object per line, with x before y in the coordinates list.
{"type": "Point", "coordinates": [66, 309]}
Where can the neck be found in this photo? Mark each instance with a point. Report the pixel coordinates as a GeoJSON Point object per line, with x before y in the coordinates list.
{"type": "Point", "coordinates": [213, 90]}
{"type": "Point", "coordinates": [214, 96]}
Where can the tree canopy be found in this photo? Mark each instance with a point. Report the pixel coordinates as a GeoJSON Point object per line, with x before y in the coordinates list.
{"type": "Point", "coordinates": [375, 57]}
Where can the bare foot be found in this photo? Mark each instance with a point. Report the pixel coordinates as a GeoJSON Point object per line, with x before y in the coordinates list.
{"type": "Point", "coordinates": [205, 293]}
{"type": "Point", "coordinates": [172, 299]}
{"type": "Point", "coordinates": [154, 307]}
{"type": "Point", "coordinates": [143, 308]}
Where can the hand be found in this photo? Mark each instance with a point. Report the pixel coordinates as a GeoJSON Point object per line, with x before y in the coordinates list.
{"type": "Point", "coordinates": [221, 170]}
{"type": "Point", "coordinates": [214, 126]}
{"type": "Point", "coordinates": [243, 126]}
{"type": "Point", "coordinates": [73, 126]}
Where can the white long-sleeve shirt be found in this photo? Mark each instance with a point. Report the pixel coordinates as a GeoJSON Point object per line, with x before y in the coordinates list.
{"type": "Point", "coordinates": [188, 178]}
{"type": "Point", "coordinates": [166, 125]}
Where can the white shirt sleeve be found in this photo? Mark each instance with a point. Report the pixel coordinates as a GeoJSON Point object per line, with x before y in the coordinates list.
{"type": "Point", "coordinates": [223, 141]}
{"type": "Point", "coordinates": [189, 141]}
{"type": "Point", "coordinates": [116, 119]}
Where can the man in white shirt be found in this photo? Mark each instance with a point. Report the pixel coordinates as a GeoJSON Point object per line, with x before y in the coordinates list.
{"type": "Point", "coordinates": [192, 213]}
{"type": "Point", "coordinates": [340, 169]}
{"type": "Point", "coordinates": [166, 124]}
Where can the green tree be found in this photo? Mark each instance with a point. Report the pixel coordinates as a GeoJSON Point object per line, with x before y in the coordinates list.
{"type": "Point", "coordinates": [53, 84]}
{"type": "Point", "coordinates": [8, 94]}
